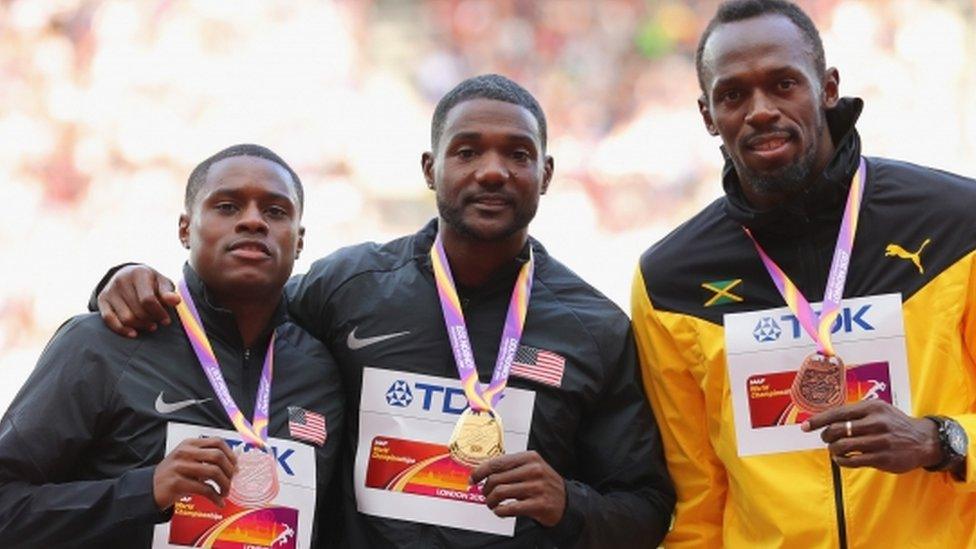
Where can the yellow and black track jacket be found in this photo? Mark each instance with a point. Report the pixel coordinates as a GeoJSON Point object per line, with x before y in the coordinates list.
{"type": "Point", "coordinates": [797, 499]}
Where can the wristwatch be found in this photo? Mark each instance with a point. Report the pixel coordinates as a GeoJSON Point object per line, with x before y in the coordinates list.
{"type": "Point", "coordinates": [954, 442]}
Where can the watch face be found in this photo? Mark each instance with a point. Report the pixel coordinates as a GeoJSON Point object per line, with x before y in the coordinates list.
{"type": "Point", "coordinates": [958, 440]}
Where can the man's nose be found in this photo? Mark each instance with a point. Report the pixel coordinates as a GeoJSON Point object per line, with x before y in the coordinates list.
{"type": "Point", "coordinates": [763, 111]}
{"type": "Point", "coordinates": [492, 170]}
{"type": "Point", "coordinates": [252, 220]}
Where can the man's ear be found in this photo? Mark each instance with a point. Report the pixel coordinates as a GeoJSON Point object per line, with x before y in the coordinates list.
{"type": "Point", "coordinates": [427, 165]}
{"type": "Point", "coordinates": [707, 116]}
{"type": "Point", "coordinates": [300, 245]}
{"type": "Point", "coordinates": [547, 171]}
{"type": "Point", "coordinates": [185, 230]}
{"type": "Point", "coordinates": [831, 88]}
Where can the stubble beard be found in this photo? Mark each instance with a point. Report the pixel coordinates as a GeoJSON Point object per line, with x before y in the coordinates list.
{"type": "Point", "coordinates": [788, 180]}
{"type": "Point", "coordinates": [454, 217]}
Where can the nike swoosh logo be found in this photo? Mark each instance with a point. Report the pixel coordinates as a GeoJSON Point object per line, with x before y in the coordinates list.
{"type": "Point", "coordinates": [164, 407]}
{"type": "Point", "coordinates": [355, 343]}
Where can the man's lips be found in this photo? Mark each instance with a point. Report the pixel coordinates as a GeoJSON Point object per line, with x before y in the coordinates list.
{"type": "Point", "coordinates": [490, 200]}
{"type": "Point", "coordinates": [770, 146]}
{"type": "Point", "coordinates": [249, 249]}
{"type": "Point", "coordinates": [768, 141]}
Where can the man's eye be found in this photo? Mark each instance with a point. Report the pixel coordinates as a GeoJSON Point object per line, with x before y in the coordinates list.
{"type": "Point", "coordinates": [226, 207]}
{"type": "Point", "coordinates": [277, 212]}
{"type": "Point", "coordinates": [466, 153]}
{"type": "Point", "coordinates": [787, 84]}
{"type": "Point", "coordinates": [730, 95]}
{"type": "Point", "coordinates": [521, 155]}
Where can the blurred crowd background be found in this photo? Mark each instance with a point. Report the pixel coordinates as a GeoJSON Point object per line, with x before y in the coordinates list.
{"type": "Point", "coordinates": [106, 105]}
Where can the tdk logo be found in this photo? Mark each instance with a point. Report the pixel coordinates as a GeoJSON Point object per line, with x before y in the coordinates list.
{"type": "Point", "coordinates": [766, 330]}
{"type": "Point", "coordinates": [437, 398]}
{"type": "Point", "coordinates": [280, 455]}
{"type": "Point", "coordinates": [849, 320]}
{"type": "Point", "coordinates": [399, 394]}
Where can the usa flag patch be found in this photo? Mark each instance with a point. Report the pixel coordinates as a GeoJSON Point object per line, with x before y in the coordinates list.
{"type": "Point", "coordinates": [306, 425]}
{"type": "Point", "coordinates": [539, 365]}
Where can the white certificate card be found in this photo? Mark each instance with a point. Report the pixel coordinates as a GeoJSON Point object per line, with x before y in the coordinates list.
{"type": "Point", "coordinates": [283, 523]}
{"type": "Point", "coordinates": [764, 351]}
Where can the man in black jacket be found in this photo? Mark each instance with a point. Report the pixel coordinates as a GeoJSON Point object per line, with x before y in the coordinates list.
{"type": "Point", "coordinates": [593, 474]}
{"type": "Point", "coordinates": [82, 446]}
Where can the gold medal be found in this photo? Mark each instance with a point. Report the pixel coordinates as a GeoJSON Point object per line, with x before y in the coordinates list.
{"type": "Point", "coordinates": [820, 384]}
{"type": "Point", "coordinates": [477, 437]}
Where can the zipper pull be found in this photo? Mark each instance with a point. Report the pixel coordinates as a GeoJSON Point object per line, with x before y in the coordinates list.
{"type": "Point", "coordinates": [247, 354]}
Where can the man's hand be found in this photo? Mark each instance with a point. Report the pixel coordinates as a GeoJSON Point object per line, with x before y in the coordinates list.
{"type": "Point", "coordinates": [136, 298]}
{"type": "Point", "coordinates": [881, 436]}
{"type": "Point", "coordinates": [522, 484]}
{"type": "Point", "coordinates": [189, 466]}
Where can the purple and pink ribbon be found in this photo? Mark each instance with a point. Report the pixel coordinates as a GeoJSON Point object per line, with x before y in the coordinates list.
{"type": "Point", "coordinates": [254, 432]}
{"type": "Point", "coordinates": [481, 399]}
{"type": "Point", "coordinates": [819, 328]}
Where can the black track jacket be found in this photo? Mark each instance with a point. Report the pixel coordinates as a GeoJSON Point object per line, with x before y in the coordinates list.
{"type": "Point", "coordinates": [79, 443]}
{"type": "Point", "coordinates": [595, 430]}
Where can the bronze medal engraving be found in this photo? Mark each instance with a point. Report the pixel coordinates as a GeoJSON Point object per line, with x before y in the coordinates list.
{"type": "Point", "coordinates": [256, 481]}
{"type": "Point", "coordinates": [820, 384]}
{"type": "Point", "coordinates": [477, 437]}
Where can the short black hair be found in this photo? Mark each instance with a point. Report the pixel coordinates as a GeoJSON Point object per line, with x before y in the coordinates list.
{"type": "Point", "coordinates": [199, 174]}
{"type": "Point", "coordinates": [739, 10]}
{"type": "Point", "coordinates": [486, 86]}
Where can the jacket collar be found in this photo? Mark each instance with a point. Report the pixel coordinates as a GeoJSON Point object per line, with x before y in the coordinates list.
{"type": "Point", "coordinates": [503, 279]}
{"type": "Point", "coordinates": [219, 323]}
{"type": "Point", "coordinates": [823, 201]}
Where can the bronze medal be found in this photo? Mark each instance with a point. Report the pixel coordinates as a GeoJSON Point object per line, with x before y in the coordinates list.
{"type": "Point", "coordinates": [820, 384]}
{"type": "Point", "coordinates": [477, 437]}
{"type": "Point", "coordinates": [256, 481]}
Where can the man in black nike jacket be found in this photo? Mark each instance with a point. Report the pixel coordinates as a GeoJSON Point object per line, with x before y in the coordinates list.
{"type": "Point", "coordinates": [593, 475]}
{"type": "Point", "coordinates": [81, 446]}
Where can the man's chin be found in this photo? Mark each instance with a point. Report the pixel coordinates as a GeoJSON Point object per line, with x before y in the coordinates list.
{"type": "Point", "coordinates": [786, 180]}
{"type": "Point", "coordinates": [488, 232]}
{"type": "Point", "coordinates": [246, 283]}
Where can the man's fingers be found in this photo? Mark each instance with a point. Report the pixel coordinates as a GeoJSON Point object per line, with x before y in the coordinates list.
{"type": "Point", "coordinates": [202, 471]}
{"type": "Point", "coordinates": [171, 299]}
{"type": "Point", "coordinates": [112, 321]}
{"type": "Point", "coordinates": [516, 491]}
{"type": "Point", "coordinates": [189, 486]}
{"type": "Point", "coordinates": [522, 473]}
{"type": "Point", "coordinates": [150, 303]}
{"type": "Point", "coordinates": [500, 464]}
{"type": "Point", "coordinates": [835, 415]}
{"type": "Point", "coordinates": [864, 445]}
{"type": "Point", "coordinates": [215, 444]}
{"type": "Point", "coordinates": [216, 457]}
{"type": "Point", "coordinates": [523, 508]}
{"type": "Point", "coordinates": [125, 315]}
{"type": "Point", "coordinates": [859, 427]}
{"type": "Point", "coordinates": [857, 461]}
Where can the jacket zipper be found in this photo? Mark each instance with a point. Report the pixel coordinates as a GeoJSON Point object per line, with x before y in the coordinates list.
{"type": "Point", "coordinates": [839, 504]}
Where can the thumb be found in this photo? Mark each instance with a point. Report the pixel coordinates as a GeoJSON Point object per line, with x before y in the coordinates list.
{"type": "Point", "coordinates": [166, 291]}
{"type": "Point", "coordinates": [170, 298]}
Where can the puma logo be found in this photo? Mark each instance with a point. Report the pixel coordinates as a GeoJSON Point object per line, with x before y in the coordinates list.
{"type": "Point", "coordinates": [915, 257]}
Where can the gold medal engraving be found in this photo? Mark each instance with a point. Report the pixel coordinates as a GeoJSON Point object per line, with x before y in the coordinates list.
{"type": "Point", "coordinates": [820, 384]}
{"type": "Point", "coordinates": [256, 481]}
{"type": "Point", "coordinates": [477, 437]}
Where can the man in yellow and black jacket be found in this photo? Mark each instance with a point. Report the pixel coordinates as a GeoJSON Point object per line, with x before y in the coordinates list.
{"type": "Point", "coordinates": [791, 148]}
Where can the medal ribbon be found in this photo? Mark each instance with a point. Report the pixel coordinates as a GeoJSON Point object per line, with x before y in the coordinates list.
{"type": "Point", "coordinates": [819, 330]}
{"type": "Point", "coordinates": [481, 399]}
{"type": "Point", "coordinates": [254, 432]}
